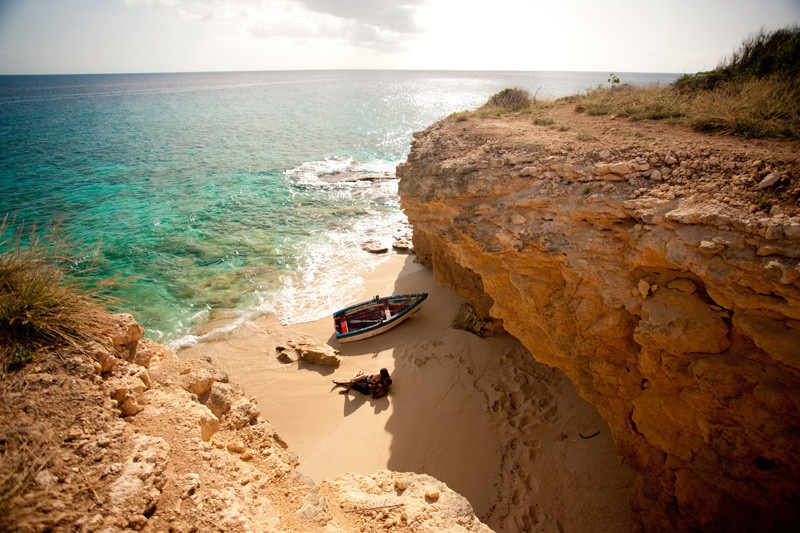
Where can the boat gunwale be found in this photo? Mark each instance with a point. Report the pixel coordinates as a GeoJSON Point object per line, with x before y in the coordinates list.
{"type": "Point", "coordinates": [417, 299]}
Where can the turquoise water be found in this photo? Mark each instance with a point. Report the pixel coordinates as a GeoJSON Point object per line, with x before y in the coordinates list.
{"type": "Point", "coordinates": [209, 187]}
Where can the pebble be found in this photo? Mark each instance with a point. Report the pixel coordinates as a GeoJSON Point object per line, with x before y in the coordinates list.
{"type": "Point", "coordinates": [770, 180]}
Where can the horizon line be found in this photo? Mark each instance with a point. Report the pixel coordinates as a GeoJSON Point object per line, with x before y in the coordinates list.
{"type": "Point", "coordinates": [604, 72]}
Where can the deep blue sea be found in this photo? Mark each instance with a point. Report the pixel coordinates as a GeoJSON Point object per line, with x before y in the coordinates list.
{"type": "Point", "coordinates": [211, 186]}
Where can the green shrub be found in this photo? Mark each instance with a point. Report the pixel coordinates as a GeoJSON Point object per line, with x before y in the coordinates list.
{"type": "Point", "coordinates": [515, 99]}
{"type": "Point", "coordinates": [760, 56]}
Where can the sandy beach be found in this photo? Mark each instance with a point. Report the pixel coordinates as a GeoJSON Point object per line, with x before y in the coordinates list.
{"type": "Point", "coordinates": [481, 415]}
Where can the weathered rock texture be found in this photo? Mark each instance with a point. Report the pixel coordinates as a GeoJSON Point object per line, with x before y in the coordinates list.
{"type": "Point", "coordinates": [399, 501]}
{"type": "Point", "coordinates": [125, 436]}
{"type": "Point", "coordinates": [642, 263]}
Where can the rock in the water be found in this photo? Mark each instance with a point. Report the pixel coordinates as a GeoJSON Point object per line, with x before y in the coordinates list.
{"type": "Point", "coordinates": [402, 245]}
{"type": "Point", "coordinates": [374, 247]}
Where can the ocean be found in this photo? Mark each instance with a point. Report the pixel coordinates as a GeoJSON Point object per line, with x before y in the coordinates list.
{"type": "Point", "coordinates": [223, 191]}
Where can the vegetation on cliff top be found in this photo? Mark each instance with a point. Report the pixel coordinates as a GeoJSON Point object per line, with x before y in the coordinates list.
{"type": "Point", "coordinates": [754, 93]}
{"type": "Point", "coordinates": [45, 296]}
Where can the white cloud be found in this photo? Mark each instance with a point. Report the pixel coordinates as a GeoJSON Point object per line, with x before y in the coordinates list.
{"type": "Point", "coordinates": [388, 15]}
{"type": "Point", "coordinates": [380, 25]}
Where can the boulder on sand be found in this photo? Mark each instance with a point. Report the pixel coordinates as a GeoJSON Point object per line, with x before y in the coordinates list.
{"type": "Point", "coordinates": [316, 353]}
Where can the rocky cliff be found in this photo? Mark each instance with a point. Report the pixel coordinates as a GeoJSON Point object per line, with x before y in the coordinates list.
{"type": "Point", "coordinates": [123, 435]}
{"type": "Point", "coordinates": [659, 269]}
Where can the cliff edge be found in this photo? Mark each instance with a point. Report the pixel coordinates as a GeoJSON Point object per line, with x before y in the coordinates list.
{"type": "Point", "coordinates": [659, 268]}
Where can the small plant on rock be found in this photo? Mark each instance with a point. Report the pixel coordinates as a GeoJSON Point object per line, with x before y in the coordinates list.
{"type": "Point", "coordinates": [764, 201]}
{"type": "Point", "coordinates": [544, 121]}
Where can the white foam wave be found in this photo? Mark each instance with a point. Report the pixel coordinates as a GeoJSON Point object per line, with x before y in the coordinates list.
{"type": "Point", "coordinates": [330, 268]}
{"type": "Point", "coordinates": [191, 340]}
{"type": "Point", "coordinates": [324, 171]}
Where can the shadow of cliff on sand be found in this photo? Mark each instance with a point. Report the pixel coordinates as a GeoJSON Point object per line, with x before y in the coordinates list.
{"type": "Point", "coordinates": [502, 430]}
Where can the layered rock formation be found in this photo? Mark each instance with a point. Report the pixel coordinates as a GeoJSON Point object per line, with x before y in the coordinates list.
{"type": "Point", "coordinates": [658, 268]}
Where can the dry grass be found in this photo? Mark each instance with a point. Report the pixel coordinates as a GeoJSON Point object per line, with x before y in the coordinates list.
{"type": "Point", "coordinates": [768, 107]}
{"type": "Point", "coordinates": [23, 457]}
{"type": "Point", "coordinates": [755, 93]}
{"type": "Point", "coordinates": [637, 103]}
{"type": "Point", "coordinates": [514, 100]}
{"type": "Point", "coordinates": [46, 297]}
{"type": "Point", "coordinates": [762, 55]}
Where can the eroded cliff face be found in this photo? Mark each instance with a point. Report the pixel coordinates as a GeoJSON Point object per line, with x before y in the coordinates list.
{"type": "Point", "coordinates": [642, 261]}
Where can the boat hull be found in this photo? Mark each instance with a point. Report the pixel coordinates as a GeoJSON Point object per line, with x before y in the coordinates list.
{"type": "Point", "coordinates": [346, 321]}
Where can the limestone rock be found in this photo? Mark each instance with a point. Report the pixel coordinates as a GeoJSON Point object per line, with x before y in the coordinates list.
{"type": "Point", "coordinates": [315, 353]}
{"type": "Point", "coordinates": [643, 287]}
{"type": "Point", "coordinates": [104, 357]}
{"type": "Point", "coordinates": [374, 247]}
{"type": "Point", "coordinates": [243, 413]}
{"type": "Point", "coordinates": [197, 376]}
{"type": "Point", "coordinates": [683, 285]}
{"type": "Point", "coordinates": [148, 350]}
{"type": "Point", "coordinates": [195, 419]}
{"type": "Point", "coordinates": [125, 334]}
{"type": "Point", "coordinates": [466, 319]}
{"type": "Point", "coordinates": [427, 503]}
{"type": "Point", "coordinates": [699, 379]}
{"type": "Point", "coordinates": [219, 398]}
{"type": "Point", "coordinates": [127, 392]}
{"type": "Point", "coordinates": [779, 338]}
{"type": "Point", "coordinates": [402, 245]}
{"type": "Point", "coordinates": [677, 322]}
{"type": "Point", "coordinates": [142, 479]}
{"type": "Point", "coordinates": [130, 407]}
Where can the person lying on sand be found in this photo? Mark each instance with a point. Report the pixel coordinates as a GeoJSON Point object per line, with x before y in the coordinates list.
{"type": "Point", "coordinates": [375, 385]}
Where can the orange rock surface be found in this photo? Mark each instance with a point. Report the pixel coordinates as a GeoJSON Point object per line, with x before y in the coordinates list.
{"type": "Point", "coordinates": [648, 265]}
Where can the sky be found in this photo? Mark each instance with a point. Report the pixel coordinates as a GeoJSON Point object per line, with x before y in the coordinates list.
{"type": "Point", "coordinates": [105, 36]}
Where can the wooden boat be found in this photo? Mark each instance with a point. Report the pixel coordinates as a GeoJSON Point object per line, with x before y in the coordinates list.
{"type": "Point", "coordinates": [367, 319]}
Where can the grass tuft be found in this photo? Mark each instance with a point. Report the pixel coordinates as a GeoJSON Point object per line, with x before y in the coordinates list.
{"type": "Point", "coordinates": [509, 100]}
{"type": "Point", "coordinates": [46, 296]}
{"type": "Point", "coordinates": [515, 99]}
